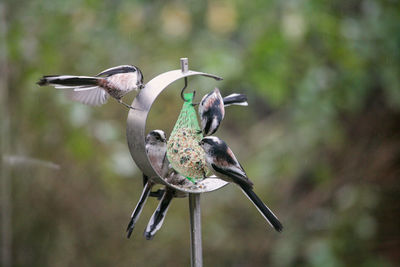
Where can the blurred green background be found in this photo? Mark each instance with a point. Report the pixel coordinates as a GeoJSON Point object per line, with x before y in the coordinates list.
{"type": "Point", "coordinates": [320, 138]}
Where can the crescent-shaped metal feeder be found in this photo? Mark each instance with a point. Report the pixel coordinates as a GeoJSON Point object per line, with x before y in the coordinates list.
{"type": "Point", "coordinates": [136, 127]}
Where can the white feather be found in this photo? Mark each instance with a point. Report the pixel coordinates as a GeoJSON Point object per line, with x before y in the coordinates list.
{"type": "Point", "coordinates": [64, 77]}
{"type": "Point", "coordinates": [245, 104]}
{"type": "Point", "coordinates": [63, 87]}
{"type": "Point", "coordinates": [76, 88]}
{"type": "Point", "coordinates": [93, 97]}
{"type": "Point", "coordinates": [83, 88]}
{"type": "Point", "coordinates": [125, 82]}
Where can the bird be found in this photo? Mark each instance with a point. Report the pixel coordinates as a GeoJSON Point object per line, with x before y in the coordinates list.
{"type": "Point", "coordinates": [95, 90]}
{"type": "Point", "coordinates": [223, 163]}
{"type": "Point", "coordinates": [157, 219]}
{"type": "Point", "coordinates": [212, 109]}
{"type": "Point", "coordinates": [156, 149]}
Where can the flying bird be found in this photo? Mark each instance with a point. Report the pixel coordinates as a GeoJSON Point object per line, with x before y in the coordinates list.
{"type": "Point", "coordinates": [212, 109]}
{"type": "Point", "coordinates": [95, 90]}
{"type": "Point", "coordinates": [223, 163]}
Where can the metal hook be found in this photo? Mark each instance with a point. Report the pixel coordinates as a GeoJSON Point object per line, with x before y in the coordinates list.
{"type": "Point", "coordinates": [183, 90]}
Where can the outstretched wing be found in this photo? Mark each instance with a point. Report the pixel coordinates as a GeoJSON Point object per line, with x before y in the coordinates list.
{"type": "Point", "coordinates": [93, 96]}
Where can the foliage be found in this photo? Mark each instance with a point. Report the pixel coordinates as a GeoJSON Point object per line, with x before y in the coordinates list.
{"type": "Point", "coordinates": [320, 138]}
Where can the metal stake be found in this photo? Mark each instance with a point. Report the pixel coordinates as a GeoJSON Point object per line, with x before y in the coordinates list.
{"type": "Point", "coordinates": [196, 257]}
{"type": "Point", "coordinates": [195, 231]}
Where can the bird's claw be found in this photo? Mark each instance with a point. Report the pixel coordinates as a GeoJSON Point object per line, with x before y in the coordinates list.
{"type": "Point", "coordinates": [126, 105]}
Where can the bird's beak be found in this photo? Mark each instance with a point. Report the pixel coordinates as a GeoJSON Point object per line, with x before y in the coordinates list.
{"type": "Point", "coordinates": [200, 143]}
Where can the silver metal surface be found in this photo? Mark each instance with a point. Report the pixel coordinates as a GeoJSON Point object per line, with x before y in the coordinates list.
{"type": "Point", "coordinates": [196, 253]}
{"type": "Point", "coordinates": [184, 64]}
{"type": "Point", "coordinates": [136, 126]}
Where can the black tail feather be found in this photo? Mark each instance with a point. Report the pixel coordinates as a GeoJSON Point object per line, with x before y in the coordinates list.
{"type": "Point", "coordinates": [138, 209]}
{"type": "Point", "coordinates": [45, 80]}
{"type": "Point", "coordinates": [262, 208]}
{"type": "Point", "coordinates": [235, 99]}
{"type": "Point", "coordinates": [157, 219]}
{"type": "Point", "coordinates": [67, 80]}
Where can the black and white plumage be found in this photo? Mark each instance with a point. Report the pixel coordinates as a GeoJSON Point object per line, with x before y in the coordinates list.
{"type": "Point", "coordinates": [235, 99]}
{"type": "Point", "coordinates": [95, 91]}
{"type": "Point", "coordinates": [157, 219]}
{"type": "Point", "coordinates": [156, 148]}
{"type": "Point", "coordinates": [212, 109]}
{"type": "Point", "coordinates": [223, 163]}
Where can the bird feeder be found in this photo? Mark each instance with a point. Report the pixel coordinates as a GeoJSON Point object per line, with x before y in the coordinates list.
{"type": "Point", "coordinates": [136, 126]}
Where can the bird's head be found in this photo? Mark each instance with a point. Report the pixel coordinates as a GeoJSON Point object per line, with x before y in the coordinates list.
{"type": "Point", "coordinates": [156, 137]}
{"type": "Point", "coordinates": [140, 77]}
{"type": "Point", "coordinates": [209, 143]}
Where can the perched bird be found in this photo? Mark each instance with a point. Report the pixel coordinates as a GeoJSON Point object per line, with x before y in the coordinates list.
{"type": "Point", "coordinates": [223, 163]}
{"type": "Point", "coordinates": [212, 109]}
{"type": "Point", "coordinates": [156, 148]}
{"type": "Point", "coordinates": [115, 82]}
{"type": "Point", "coordinates": [157, 219]}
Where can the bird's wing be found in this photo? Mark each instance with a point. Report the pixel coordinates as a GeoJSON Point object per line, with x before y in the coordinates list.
{"type": "Point", "coordinates": [164, 166]}
{"type": "Point", "coordinates": [237, 175]}
{"type": "Point", "coordinates": [116, 70]}
{"type": "Point", "coordinates": [94, 96]}
{"type": "Point", "coordinates": [230, 158]}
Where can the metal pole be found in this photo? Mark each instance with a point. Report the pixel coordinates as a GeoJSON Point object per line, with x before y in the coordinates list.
{"type": "Point", "coordinates": [196, 257]}
{"type": "Point", "coordinates": [196, 253]}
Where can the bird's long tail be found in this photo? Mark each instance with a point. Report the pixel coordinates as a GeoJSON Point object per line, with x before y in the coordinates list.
{"type": "Point", "coordinates": [262, 208]}
{"type": "Point", "coordinates": [69, 81]}
{"type": "Point", "coordinates": [235, 99]}
{"type": "Point", "coordinates": [139, 207]}
{"type": "Point", "coordinates": [158, 216]}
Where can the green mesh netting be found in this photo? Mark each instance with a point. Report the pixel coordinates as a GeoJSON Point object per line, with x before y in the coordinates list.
{"type": "Point", "coordinates": [183, 151]}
